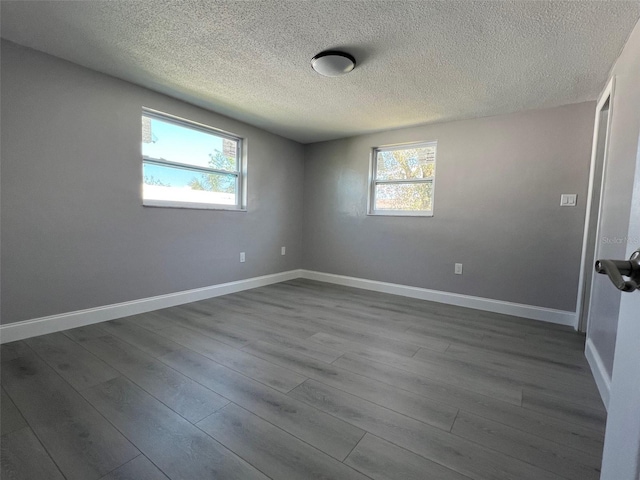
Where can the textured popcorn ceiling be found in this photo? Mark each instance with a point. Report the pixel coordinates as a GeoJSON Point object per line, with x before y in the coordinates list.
{"type": "Point", "coordinates": [418, 61]}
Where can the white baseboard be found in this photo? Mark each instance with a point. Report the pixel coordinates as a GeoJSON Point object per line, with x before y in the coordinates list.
{"type": "Point", "coordinates": [561, 317]}
{"type": "Point", "coordinates": [603, 380]}
{"type": "Point", "coordinates": [55, 323]}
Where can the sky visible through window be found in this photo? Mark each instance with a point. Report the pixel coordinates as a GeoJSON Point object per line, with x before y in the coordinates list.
{"type": "Point", "coordinates": [178, 144]}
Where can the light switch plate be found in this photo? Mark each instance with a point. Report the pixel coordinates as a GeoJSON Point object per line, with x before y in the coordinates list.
{"type": "Point", "coordinates": [568, 200]}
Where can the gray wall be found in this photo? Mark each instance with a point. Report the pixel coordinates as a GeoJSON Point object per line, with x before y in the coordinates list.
{"type": "Point", "coordinates": [497, 208]}
{"type": "Point", "coordinates": [75, 236]}
{"type": "Point", "coordinates": [617, 198]}
{"type": "Point", "coordinates": [74, 233]}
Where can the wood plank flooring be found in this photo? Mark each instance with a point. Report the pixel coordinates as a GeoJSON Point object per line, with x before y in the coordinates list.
{"type": "Point", "coordinates": [302, 380]}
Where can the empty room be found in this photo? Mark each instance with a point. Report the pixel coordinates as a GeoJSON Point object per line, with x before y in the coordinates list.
{"type": "Point", "coordinates": [320, 240]}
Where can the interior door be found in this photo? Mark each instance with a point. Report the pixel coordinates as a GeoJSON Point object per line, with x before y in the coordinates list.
{"type": "Point", "coordinates": [621, 457]}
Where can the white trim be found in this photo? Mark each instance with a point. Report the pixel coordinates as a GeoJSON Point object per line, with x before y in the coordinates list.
{"type": "Point", "coordinates": [561, 317]}
{"type": "Point", "coordinates": [607, 93]}
{"type": "Point", "coordinates": [186, 123]}
{"type": "Point", "coordinates": [149, 202]}
{"type": "Point", "coordinates": [406, 146]}
{"type": "Point", "coordinates": [241, 161]}
{"type": "Point", "coordinates": [401, 213]}
{"type": "Point", "coordinates": [373, 181]}
{"type": "Point", "coordinates": [55, 323]}
{"type": "Point", "coordinates": [599, 372]}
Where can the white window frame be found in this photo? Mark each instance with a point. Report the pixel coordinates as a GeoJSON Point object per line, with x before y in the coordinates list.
{"type": "Point", "coordinates": [240, 173]}
{"type": "Point", "coordinates": [373, 181]}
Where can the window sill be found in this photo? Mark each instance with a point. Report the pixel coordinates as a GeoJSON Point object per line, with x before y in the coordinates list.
{"type": "Point", "coordinates": [400, 214]}
{"type": "Point", "coordinates": [190, 205]}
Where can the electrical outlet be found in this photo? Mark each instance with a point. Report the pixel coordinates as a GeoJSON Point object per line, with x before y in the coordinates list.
{"type": "Point", "coordinates": [458, 269]}
{"type": "Point", "coordinates": [283, 250]}
{"type": "Point", "coordinates": [242, 257]}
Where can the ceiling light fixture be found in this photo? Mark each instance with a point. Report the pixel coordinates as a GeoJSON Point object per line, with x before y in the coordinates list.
{"type": "Point", "coordinates": [332, 63]}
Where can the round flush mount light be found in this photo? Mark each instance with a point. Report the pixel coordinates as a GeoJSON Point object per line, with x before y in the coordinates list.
{"type": "Point", "coordinates": [332, 63]}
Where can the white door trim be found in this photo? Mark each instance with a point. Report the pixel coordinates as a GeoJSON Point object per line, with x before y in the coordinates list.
{"type": "Point", "coordinates": [607, 94]}
{"type": "Point", "coordinates": [599, 372]}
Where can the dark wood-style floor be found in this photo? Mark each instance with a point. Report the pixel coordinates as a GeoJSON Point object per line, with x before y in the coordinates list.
{"type": "Point", "coordinates": [302, 380]}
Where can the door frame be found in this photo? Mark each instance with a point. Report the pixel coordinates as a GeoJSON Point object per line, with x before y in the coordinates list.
{"type": "Point", "coordinates": [582, 314]}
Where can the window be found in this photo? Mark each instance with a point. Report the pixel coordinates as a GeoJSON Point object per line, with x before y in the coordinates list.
{"type": "Point", "coordinates": [188, 165]}
{"type": "Point", "coordinates": [402, 180]}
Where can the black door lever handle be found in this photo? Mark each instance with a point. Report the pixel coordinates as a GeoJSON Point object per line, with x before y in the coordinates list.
{"type": "Point", "coordinates": [616, 269]}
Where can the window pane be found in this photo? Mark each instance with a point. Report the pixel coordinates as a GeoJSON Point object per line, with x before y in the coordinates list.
{"type": "Point", "coordinates": [183, 185]}
{"type": "Point", "coordinates": [404, 196]}
{"type": "Point", "coordinates": [175, 143]}
{"type": "Point", "coordinates": [406, 163]}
